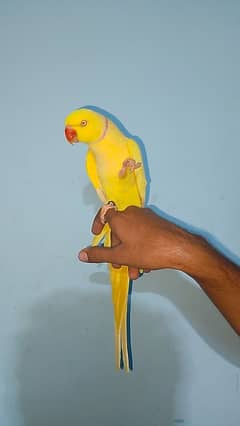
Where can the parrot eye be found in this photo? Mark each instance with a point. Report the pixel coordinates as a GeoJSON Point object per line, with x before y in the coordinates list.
{"type": "Point", "coordinates": [83, 123]}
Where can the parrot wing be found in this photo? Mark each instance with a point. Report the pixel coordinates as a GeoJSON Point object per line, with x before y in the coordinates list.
{"type": "Point", "coordinates": [93, 175]}
{"type": "Point", "coordinates": [135, 153]}
{"type": "Point", "coordinates": [94, 178]}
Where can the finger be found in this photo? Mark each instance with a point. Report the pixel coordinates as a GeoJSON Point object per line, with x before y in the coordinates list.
{"type": "Point", "coordinates": [114, 240]}
{"type": "Point", "coordinates": [116, 265]}
{"type": "Point", "coordinates": [100, 254]}
{"type": "Point", "coordinates": [133, 273]}
{"type": "Point", "coordinates": [97, 225]}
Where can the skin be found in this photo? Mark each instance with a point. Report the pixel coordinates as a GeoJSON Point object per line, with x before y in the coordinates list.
{"type": "Point", "coordinates": [142, 240]}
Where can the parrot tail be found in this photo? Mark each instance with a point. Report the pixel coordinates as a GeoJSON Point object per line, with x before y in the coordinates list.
{"type": "Point", "coordinates": [121, 298]}
{"type": "Point", "coordinates": [103, 236]}
{"type": "Point", "coordinates": [121, 295]}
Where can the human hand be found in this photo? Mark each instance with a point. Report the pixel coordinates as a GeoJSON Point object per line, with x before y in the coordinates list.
{"type": "Point", "coordinates": [140, 240]}
{"type": "Point", "coordinates": [143, 240]}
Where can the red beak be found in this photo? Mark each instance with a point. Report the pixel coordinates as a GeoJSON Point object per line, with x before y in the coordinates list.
{"type": "Point", "coordinates": [71, 134]}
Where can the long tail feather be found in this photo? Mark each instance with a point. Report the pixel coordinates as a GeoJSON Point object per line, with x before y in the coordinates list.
{"type": "Point", "coordinates": [115, 281]}
{"type": "Point", "coordinates": [124, 343]}
{"type": "Point", "coordinates": [126, 353]}
{"type": "Point", "coordinates": [130, 356]}
{"type": "Point", "coordinates": [121, 295]}
{"type": "Point", "coordinates": [120, 289]}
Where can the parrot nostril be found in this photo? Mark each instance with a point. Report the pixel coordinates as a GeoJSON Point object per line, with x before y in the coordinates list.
{"type": "Point", "coordinates": [71, 134]}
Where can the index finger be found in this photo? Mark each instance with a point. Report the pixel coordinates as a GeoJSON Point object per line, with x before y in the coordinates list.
{"type": "Point", "coordinates": [97, 225]}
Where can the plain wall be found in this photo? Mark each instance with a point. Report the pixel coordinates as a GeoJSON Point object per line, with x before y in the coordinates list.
{"type": "Point", "coordinates": [169, 70]}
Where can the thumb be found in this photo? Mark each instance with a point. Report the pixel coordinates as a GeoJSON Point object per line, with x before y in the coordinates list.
{"type": "Point", "coordinates": [98, 254]}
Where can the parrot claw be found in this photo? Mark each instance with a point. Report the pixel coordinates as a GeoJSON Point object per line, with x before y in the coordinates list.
{"type": "Point", "coordinates": [128, 164]}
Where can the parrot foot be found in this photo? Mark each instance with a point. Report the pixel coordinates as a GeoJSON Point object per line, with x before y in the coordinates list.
{"type": "Point", "coordinates": [109, 205]}
{"type": "Point", "coordinates": [128, 164]}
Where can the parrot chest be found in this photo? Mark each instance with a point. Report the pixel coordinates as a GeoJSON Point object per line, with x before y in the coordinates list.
{"type": "Point", "coordinates": [121, 190]}
{"type": "Point", "coordinates": [109, 161]}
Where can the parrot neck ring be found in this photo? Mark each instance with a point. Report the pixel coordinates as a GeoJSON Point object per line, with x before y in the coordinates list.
{"type": "Point", "coordinates": [104, 131]}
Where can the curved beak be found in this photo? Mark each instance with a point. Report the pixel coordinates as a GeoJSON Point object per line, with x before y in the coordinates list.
{"type": "Point", "coordinates": [71, 134]}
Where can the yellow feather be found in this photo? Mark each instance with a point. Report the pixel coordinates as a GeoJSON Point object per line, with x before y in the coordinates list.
{"type": "Point", "coordinates": [93, 175]}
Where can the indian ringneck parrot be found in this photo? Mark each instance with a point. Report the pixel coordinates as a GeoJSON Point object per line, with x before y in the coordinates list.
{"type": "Point", "coordinates": [115, 168]}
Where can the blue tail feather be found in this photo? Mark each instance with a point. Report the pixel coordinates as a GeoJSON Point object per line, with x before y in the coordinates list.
{"type": "Point", "coordinates": [130, 356]}
{"type": "Point", "coordinates": [121, 361]}
{"type": "Point", "coordinates": [128, 319]}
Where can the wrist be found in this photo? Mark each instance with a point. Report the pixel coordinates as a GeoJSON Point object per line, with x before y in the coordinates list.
{"type": "Point", "coordinates": [177, 249]}
{"type": "Point", "coordinates": [192, 253]}
{"type": "Point", "coordinates": [201, 261]}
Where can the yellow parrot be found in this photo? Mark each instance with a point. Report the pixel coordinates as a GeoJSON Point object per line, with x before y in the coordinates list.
{"type": "Point", "coordinates": [115, 168]}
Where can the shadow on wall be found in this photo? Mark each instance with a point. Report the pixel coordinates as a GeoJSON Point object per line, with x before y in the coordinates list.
{"type": "Point", "coordinates": [193, 304]}
{"type": "Point", "coordinates": [66, 371]}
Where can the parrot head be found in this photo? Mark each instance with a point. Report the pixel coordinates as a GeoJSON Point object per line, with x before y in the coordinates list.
{"type": "Point", "coordinates": [85, 125]}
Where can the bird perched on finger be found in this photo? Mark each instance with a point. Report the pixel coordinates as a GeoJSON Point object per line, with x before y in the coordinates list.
{"type": "Point", "coordinates": [115, 168]}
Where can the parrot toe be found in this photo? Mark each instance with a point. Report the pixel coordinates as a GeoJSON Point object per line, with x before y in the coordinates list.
{"type": "Point", "coordinates": [129, 164]}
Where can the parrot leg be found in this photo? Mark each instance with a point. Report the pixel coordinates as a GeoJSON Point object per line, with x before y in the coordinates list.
{"type": "Point", "coordinates": [128, 164]}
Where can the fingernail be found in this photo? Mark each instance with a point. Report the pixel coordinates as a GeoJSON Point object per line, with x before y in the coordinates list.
{"type": "Point", "coordinates": [83, 256]}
